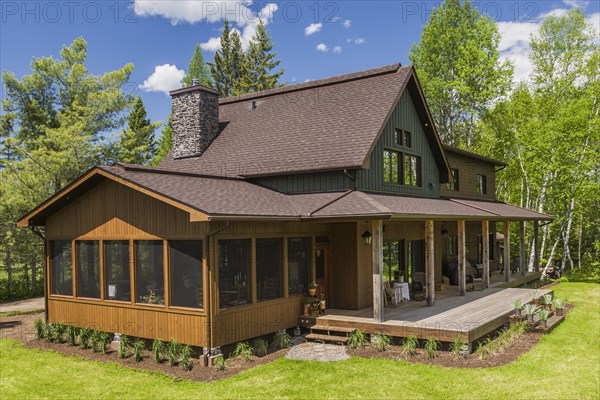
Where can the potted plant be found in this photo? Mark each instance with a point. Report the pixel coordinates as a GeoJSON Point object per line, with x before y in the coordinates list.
{"type": "Point", "coordinates": [543, 317]}
{"type": "Point", "coordinates": [529, 311]}
{"type": "Point", "coordinates": [312, 288]}
{"type": "Point", "coordinates": [548, 301]}
{"type": "Point", "coordinates": [518, 304]}
{"type": "Point", "coordinates": [322, 302]}
{"type": "Point", "coordinates": [314, 308]}
{"type": "Point", "coordinates": [558, 306]}
{"type": "Point", "coordinates": [307, 301]}
{"type": "Point", "coordinates": [535, 294]}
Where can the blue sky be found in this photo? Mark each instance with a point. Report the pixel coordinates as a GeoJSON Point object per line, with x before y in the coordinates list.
{"type": "Point", "coordinates": [313, 39]}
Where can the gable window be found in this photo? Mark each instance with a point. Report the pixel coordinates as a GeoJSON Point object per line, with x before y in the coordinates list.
{"type": "Point", "coordinates": [481, 184]}
{"type": "Point", "coordinates": [185, 264]}
{"type": "Point", "coordinates": [453, 185]}
{"type": "Point", "coordinates": [234, 272]}
{"type": "Point", "coordinates": [398, 136]}
{"type": "Point", "coordinates": [406, 139]}
{"type": "Point", "coordinates": [88, 268]}
{"type": "Point", "coordinates": [391, 170]}
{"type": "Point", "coordinates": [149, 271]}
{"type": "Point", "coordinates": [61, 267]}
{"type": "Point", "coordinates": [412, 170]}
{"type": "Point", "coordinates": [269, 268]}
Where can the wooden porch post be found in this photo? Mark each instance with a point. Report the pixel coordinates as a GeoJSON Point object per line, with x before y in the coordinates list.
{"type": "Point", "coordinates": [462, 273]}
{"type": "Point", "coordinates": [536, 245]}
{"type": "Point", "coordinates": [506, 251]}
{"type": "Point", "coordinates": [377, 244]}
{"type": "Point", "coordinates": [522, 247]}
{"type": "Point", "coordinates": [485, 239]}
{"type": "Point", "coordinates": [429, 263]}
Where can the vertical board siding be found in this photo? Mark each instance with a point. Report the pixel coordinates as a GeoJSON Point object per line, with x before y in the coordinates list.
{"type": "Point", "coordinates": [404, 117]}
{"type": "Point", "coordinates": [468, 168]}
{"type": "Point", "coordinates": [307, 183]}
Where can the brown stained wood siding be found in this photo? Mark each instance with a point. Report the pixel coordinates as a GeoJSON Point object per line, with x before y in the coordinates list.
{"type": "Point", "coordinates": [343, 266]}
{"type": "Point", "coordinates": [468, 168]}
{"type": "Point", "coordinates": [365, 267]}
{"type": "Point", "coordinates": [185, 327]}
{"type": "Point", "coordinates": [404, 117]}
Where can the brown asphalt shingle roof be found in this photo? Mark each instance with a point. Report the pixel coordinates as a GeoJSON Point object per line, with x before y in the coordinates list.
{"type": "Point", "coordinates": [322, 125]}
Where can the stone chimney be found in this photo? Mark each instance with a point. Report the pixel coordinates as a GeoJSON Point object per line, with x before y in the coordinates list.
{"type": "Point", "coordinates": [195, 120]}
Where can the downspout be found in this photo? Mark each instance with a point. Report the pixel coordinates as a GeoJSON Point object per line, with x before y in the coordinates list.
{"type": "Point", "coordinates": [209, 327]}
{"type": "Point", "coordinates": [352, 178]}
{"type": "Point", "coordinates": [43, 238]}
{"type": "Point", "coordinates": [500, 169]}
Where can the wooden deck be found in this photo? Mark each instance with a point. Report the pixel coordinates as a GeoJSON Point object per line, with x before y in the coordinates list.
{"type": "Point", "coordinates": [470, 317]}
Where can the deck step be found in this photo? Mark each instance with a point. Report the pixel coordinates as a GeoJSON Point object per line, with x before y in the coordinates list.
{"type": "Point", "coordinates": [328, 328]}
{"type": "Point", "coordinates": [316, 337]}
{"type": "Point", "coordinates": [550, 324]}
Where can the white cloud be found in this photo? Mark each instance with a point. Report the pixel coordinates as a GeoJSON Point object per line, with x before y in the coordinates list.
{"type": "Point", "coordinates": [577, 3]}
{"type": "Point", "coordinates": [307, 80]}
{"type": "Point", "coordinates": [348, 40]}
{"type": "Point", "coordinates": [164, 78]}
{"type": "Point", "coordinates": [337, 49]}
{"type": "Point", "coordinates": [193, 11]}
{"type": "Point", "coordinates": [359, 40]}
{"type": "Point", "coordinates": [347, 23]}
{"type": "Point", "coordinates": [594, 20]}
{"type": "Point", "coordinates": [213, 44]}
{"type": "Point", "coordinates": [322, 47]}
{"type": "Point", "coordinates": [312, 28]}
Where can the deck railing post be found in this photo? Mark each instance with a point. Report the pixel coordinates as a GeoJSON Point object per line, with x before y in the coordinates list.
{"type": "Point", "coordinates": [506, 251]}
{"type": "Point", "coordinates": [462, 274]}
{"type": "Point", "coordinates": [522, 247]}
{"type": "Point", "coordinates": [377, 243]}
{"type": "Point", "coordinates": [536, 246]}
{"type": "Point", "coordinates": [429, 263]}
{"type": "Point", "coordinates": [485, 238]}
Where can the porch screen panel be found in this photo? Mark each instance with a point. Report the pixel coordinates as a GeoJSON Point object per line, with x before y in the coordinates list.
{"type": "Point", "coordinates": [185, 258]}
{"type": "Point", "coordinates": [390, 259]}
{"type": "Point", "coordinates": [61, 267]}
{"type": "Point", "coordinates": [149, 271]}
{"type": "Point", "coordinates": [116, 270]}
{"type": "Point", "coordinates": [299, 252]}
{"type": "Point", "coordinates": [88, 268]}
{"type": "Point", "coordinates": [234, 272]}
{"type": "Point", "coordinates": [269, 265]}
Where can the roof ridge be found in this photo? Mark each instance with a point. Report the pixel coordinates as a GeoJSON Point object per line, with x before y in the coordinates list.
{"type": "Point", "coordinates": [159, 170]}
{"type": "Point", "coordinates": [392, 68]}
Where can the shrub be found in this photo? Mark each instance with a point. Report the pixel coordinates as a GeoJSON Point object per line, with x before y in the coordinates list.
{"type": "Point", "coordinates": [123, 346]}
{"type": "Point", "coordinates": [85, 334]}
{"type": "Point", "coordinates": [357, 339]}
{"type": "Point", "coordinates": [456, 347]}
{"type": "Point", "coordinates": [219, 362]}
{"type": "Point", "coordinates": [59, 332]}
{"type": "Point", "coordinates": [104, 339]}
{"type": "Point", "coordinates": [282, 340]}
{"type": "Point", "coordinates": [40, 328]}
{"type": "Point", "coordinates": [381, 341]}
{"type": "Point", "coordinates": [409, 347]}
{"type": "Point", "coordinates": [173, 350]}
{"type": "Point", "coordinates": [260, 347]}
{"type": "Point", "coordinates": [431, 346]}
{"type": "Point", "coordinates": [72, 335]}
{"type": "Point", "coordinates": [158, 348]}
{"type": "Point", "coordinates": [138, 347]}
{"type": "Point", "coordinates": [186, 358]}
{"type": "Point", "coordinates": [95, 340]}
{"type": "Point", "coordinates": [243, 350]}
{"type": "Point", "coordinates": [50, 334]}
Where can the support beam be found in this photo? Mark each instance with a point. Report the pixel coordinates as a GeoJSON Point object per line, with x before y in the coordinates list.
{"type": "Point", "coordinates": [462, 256]}
{"type": "Point", "coordinates": [429, 263]}
{"type": "Point", "coordinates": [522, 247]}
{"type": "Point", "coordinates": [506, 251]}
{"type": "Point", "coordinates": [377, 244]}
{"type": "Point", "coordinates": [536, 246]}
{"type": "Point", "coordinates": [485, 239]}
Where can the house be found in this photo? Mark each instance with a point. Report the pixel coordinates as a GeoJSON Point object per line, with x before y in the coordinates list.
{"type": "Point", "coordinates": [342, 181]}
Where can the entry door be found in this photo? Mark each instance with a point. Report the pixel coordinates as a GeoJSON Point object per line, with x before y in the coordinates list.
{"type": "Point", "coordinates": [321, 271]}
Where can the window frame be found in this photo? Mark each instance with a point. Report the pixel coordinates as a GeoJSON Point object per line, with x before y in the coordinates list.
{"type": "Point", "coordinates": [77, 242]}
{"type": "Point", "coordinates": [52, 255]}
{"type": "Point", "coordinates": [417, 170]}
{"type": "Point", "coordinates": [130, 268]}
{"type": "Point", "coordinates": [282, 267]}
{"type": "Point", "coordinates": [481, 183]}
{"type": "Point", "coordinates": [454, 185]}
{"type": "Point", "coordinates": [391, 169]}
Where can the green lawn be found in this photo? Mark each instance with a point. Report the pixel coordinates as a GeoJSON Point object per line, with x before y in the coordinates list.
{"type": "Point", "coordinates": [564, 365]}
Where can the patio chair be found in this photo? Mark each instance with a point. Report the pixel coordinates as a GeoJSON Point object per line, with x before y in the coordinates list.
{"type": "Point", "coordinates": [389, 294]}
{"type": "Point", "coordinates": [418, 286]}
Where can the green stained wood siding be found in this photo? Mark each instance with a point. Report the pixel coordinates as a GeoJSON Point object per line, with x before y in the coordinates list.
{"type": "Point", "coordinates": [404, 117]}
{"type": "Point", "coordinates": [308, 183]}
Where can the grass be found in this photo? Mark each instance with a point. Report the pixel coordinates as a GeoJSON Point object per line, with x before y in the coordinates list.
{"type": "Point", "coordinates": [21, 312]}
{"type": "Point", "coordinates": [564, 365]}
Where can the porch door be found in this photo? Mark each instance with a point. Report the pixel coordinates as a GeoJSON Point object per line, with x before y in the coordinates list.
{"type": "Point", "coordinates": [321, 271]}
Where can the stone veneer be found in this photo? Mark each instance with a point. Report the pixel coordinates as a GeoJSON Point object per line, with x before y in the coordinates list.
{"type": "Point", "coordinates": [195, 120]}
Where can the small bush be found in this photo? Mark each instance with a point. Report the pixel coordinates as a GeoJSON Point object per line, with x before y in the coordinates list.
{"type": "Point", "coordinates": [95, 340]}
{"type": "Point", "coordinates": [104, 339]}
{"type": "Point", "coordinates": [260, 347]}
{"type": "Point", "coordinates": [158, 348]}
{"type": "Point", "coordinates": [409, 347]}
{"type": "Point", "coordinates": [357, 339]}
{"type": "Point", "coordinates": [72, 335]}
{"type": "Point", "coordinates": [59, 332]}
{"type": "Point", "coordinates": [186, 358]}
{"type": "Point", "coordinates": [282, 340]}
{"type": "Point", "coordinates": [243, 350]}
{"type": "Point", "coordinates": [173, 351]}
{"type": "Point", "coordinates": [123, 346]}
{"type": "Point", "coordinates": [138, 347]}
{"type": "Point", "coordinates": [85, 335]}
{"type": "Point", "coordinates": [456, 347]}
{"type": "Point", "coordinates": [431, 346]}
{"type": "Point", "coordinates": [219, 362]}
{"type": "Point", "coordinates": [40, 328]}
{"type": "Point", "coordinates": [381, 341]}
{"type": "Point", "coordinates": [50, 334]}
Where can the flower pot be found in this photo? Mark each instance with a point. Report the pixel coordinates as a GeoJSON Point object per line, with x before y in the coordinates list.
{"type": "Point", "coordinates": [517, 311]}
{"type": "Point", "coordinates": [314, 313]}
{"type": "Point", "coordinates": [560, 311]}
{"type": "Point", "coordinates": [306, 310]}
{"type": "Point", "coordinates": [529, 318]}
{"type": "Point", "coordinates": [312, 292]}
{"type": "Point", "coordinates": [537, 301]}
{"type": "Point", "coordinates": [322, 304]}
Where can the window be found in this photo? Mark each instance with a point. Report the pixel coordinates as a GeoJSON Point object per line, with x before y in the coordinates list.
{"type": "Point", "coordinates": [412, 170]}
{"type": "Point", "coordinates": [149, 272]}
{"type": "Point", "coordinates": [269, 253]}
{"type": "Point", "coordinates": [452, 245]}
{"type": "Point", "coordinates": [298, 265]}
{"type": "Point", "coordinates": [234, 272]}
{"type": "Point", "coordinates": [453, 184]}
{"type": "Point", "coordinates": [481, 184]}
{"type": "Point", "coordinates": [185, 263]}
{"type": "Point", "coordinates": [406, 139]}
{"type": "Point", "coordinates": [391, 173]}
{"type": "Point", "coordinates": [398, 136]}
{"type": "Point", "coordinates": [61, 267]}
{"type": "Point", "coordinates": [393, 259]}
{"type": "Point", "coordinates": [402, 138]}
{"type": "Point", "coordinates": [116, 270]}
{"type": "Point", "coordinates": [88, 268]}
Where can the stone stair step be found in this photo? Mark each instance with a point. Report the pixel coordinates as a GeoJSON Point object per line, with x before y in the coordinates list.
{"type": "Point", "coordinates": [327, 328]}
{"type": "Point", "coordinates": [327, 338]}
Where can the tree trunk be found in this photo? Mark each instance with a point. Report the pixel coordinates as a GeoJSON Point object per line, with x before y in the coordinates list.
{"type": "Point", "coordinates": [9, 271]}
{"type": "Point", "coordinates": [579, 243]}
{"type": "Point", "coordinates": [33, 273]}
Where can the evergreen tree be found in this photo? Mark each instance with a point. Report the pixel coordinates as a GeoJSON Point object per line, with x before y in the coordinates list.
{"type": "Point", "coordinates": [258, 63]}
{"type": "Point", "coordinates": [225, 68]}
{"type": "Point", "coordinates": [137, 145]}
{"type": "Point", "coordinates": [197, 69]}
{"type": "Point", "coordinates": [164, 143]}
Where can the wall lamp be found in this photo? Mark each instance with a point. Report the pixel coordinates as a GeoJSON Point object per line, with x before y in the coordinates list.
{"type": "Point", "coordinates": [367, 237]}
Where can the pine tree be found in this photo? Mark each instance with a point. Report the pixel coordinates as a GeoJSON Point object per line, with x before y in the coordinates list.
{"type": "Point", "coordinates": [258, 63]}
{"type": "Point", "coordinates": [225, 68]}
{"type": "Point", "coordinates": [137, 145]}
{"type": "Point", "coordinates": [197, 69]}
{"type": "Point", "coordinates": [164, 143]}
